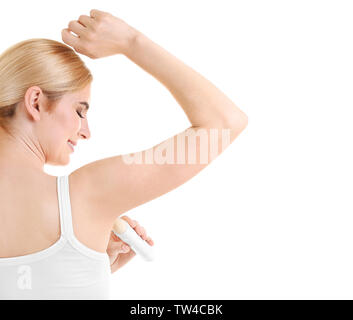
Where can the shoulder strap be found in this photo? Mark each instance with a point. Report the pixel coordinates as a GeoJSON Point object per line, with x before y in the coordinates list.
{"type": "Point", "coordinates": [64, 206]}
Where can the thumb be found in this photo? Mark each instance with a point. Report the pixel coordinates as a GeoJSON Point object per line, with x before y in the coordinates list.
{"type": "Point", "coordinates": [118, 247]}
{"type": "Point", "coordinates": [124, 247]}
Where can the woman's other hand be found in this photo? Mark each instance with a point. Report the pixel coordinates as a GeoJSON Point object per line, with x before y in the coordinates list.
{"type": "Point", "coordinates": [116, 251]}
{"type": "Point", "coordinates": [99, 35]}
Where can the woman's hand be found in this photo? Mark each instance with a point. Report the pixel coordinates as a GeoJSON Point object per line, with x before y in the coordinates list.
{"type": "Point", "coordinates": [117, 254]}
{"type": "Point", "coordinates": [99, 35]}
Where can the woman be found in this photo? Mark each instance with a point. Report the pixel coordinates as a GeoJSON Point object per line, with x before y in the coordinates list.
{"type": "Point", "coordinates": [57, 248]}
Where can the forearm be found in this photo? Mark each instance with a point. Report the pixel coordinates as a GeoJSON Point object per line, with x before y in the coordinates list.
{"type": "Point", "coordinates": [203, 103]}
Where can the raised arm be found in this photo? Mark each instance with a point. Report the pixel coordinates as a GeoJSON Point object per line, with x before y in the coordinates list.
{"type": "Point", "coordinates": [117, 184]}
{"type": "Point", "coordinates": [204, 104]}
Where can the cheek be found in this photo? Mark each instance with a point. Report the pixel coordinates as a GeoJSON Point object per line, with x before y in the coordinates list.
{"type": "Point", "coordinates": [59, 129]}
{"type": "Point", "coordinates": [70, 125]}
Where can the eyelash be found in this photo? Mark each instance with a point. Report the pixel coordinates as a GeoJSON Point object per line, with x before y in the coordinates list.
{"type": "Point", "coordinates": [80, 115]}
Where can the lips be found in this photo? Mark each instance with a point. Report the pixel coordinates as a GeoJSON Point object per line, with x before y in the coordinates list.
{"type": "Point", "coordinates": [74, 143]}
{"type": "Point", "coordinates": [70, 146]}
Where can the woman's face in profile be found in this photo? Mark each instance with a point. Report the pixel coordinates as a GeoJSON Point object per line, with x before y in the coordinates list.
{"type": "Point", "coordinates": [68, 122]}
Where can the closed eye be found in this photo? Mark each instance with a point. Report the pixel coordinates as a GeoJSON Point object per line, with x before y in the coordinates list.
{"type": "Point", "coordinates": [80, 115]}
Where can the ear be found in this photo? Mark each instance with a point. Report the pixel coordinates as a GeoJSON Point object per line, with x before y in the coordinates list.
{"type": "Point", "coordinates": [34, 102]}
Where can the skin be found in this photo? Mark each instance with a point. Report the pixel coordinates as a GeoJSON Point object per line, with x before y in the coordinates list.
{"type": "Point", "coordinates": [102, 35]}
{"type": "Point", "coordinates": [39, 138]}
{"type": "Point", "coordinates": [117, 254]}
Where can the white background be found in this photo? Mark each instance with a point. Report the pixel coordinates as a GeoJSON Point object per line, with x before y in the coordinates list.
{"type": "Point", "coordinates": [271, 217]}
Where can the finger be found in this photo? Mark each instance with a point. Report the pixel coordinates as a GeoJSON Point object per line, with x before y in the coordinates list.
{"type": "Point", "coordinates": [69, 38]}
{"type": "Point", "coordinates": [134, 224]}
{"type": "Point", "coordinates": [150, 241]}
{"type": "Point", "coordinates": [141, 231]}
{"type": "Point", "coordinates": [114, 248]}
{"type": "Point", "coordinates": [76, 27]}
{"type": "Point", "coordinates": [86, 21]}
{"type": "Point", "coordinates": [125, 247]}
{"type": "Point", "coordinates": [94, 13]}
{"type": "Point", "coordinates": [118, 247]}
{"type": "Point", "coordinates": [131, 222]}
{"type": "Point", "coordinates": [97, 14]}
{"type": "Point", "coordinates": [114, 237]}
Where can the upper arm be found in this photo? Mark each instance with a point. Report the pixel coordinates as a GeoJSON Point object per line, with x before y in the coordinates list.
{"type": "Point", "coordinates": [114, 185]}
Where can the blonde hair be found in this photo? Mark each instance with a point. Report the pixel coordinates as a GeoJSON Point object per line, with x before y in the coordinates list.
{"type": "Point", "coordinates": [48, 64]}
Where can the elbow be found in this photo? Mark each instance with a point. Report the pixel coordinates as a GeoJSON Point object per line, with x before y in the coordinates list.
{"type": "Point", "coordinates": [244, 120]}
{"type": "Point", "coordinates": [236, 124]}
{"type": "Point", "coordinates": [238, 120]}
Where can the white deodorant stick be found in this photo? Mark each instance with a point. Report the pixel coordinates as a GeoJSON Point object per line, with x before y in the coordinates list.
{"type": "Point", "coordinates": [124, 231]}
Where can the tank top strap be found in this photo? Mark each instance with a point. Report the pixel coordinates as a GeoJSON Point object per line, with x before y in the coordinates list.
{"type": "Point", "coordinates": [64, 206]}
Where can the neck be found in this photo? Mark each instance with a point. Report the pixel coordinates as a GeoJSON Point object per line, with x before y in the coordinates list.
{"type": "Point", "coordinates": [20, 153]}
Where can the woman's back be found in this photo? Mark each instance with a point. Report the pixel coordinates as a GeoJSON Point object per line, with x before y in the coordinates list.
{"type": "Point", "coordinates": [40, 255]}
{"type": "Point", "coordinates": [29, 215]}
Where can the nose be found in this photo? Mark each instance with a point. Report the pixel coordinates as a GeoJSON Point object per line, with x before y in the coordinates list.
{"type": "Point", "coordinates": [85, 132]}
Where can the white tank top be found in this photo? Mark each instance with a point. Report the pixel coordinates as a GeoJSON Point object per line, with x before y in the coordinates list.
{"type": "Point", "coordinates": [66, 270]}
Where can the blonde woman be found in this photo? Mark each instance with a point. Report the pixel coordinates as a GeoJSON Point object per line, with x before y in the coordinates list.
{"type": "Point", "coordinates": [55, 232]}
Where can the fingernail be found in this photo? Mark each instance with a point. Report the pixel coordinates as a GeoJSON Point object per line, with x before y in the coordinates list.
{"type": "Point", "coordinates": [125, 247]}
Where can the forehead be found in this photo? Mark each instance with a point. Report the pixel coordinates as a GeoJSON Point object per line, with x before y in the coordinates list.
{"type": "Point", "coordinates": [77, 96]}
{"type": "Point", "coordinates": [83, 93]}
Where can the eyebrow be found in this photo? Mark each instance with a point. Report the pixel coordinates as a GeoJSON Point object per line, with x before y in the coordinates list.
{"type": "Point", "coordinates": [85, 104]}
